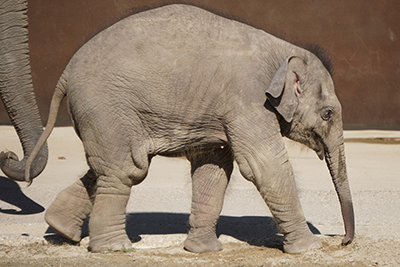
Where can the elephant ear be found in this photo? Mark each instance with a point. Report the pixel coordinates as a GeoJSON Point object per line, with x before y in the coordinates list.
{"type": "Point", "coordinates": [284, 89]}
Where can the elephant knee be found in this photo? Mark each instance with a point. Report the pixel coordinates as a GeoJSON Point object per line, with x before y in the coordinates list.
{"type": "Point", "coordinates": [245, 168]}
{"type": "Point", "coordinates": [140, 167]}
{"type": "Point", "coordinates": [138, 175]}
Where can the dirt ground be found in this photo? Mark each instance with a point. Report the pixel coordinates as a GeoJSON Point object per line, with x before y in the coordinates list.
{"type": "Point", "coordinates": [364, 251]}
{"type": "Point", "coordinates": [158, 211]}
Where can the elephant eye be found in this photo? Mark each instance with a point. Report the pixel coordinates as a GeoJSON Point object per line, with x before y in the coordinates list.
{"type": "Point", "coordinates": [327, 113]}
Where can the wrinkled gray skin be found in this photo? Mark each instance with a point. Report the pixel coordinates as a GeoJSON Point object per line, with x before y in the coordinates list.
{"type": "Point", "coordinates": [16, 90]}
{"type": "Point", "coordinates": [179, 80]}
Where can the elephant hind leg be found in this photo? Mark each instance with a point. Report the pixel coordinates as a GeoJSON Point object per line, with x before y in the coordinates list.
{"type": "Point", "coordinates": [71, 207]}
{"type": "Point", "coordinates": [211, 170]}
{"type": "Point", "coordinates": [119, 161]}
{"type": "Point", "coordinates": [107, 222]}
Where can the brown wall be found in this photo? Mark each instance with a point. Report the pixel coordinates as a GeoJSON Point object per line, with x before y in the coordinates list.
{"type": "Point", "coordinates": [362, 37]}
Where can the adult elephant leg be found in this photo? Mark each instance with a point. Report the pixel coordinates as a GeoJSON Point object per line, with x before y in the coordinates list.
{"type": "Point", "coordinates": [211, 170]}
{"type": "Point", "coordinates": [262, 159]}
{"type": "Point", "coordinates": [72, 206]}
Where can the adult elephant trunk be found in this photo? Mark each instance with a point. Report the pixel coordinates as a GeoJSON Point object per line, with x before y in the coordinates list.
{"type": "Point", "coordinates": [336, 162]}
{"type": "Point", "coordinates": [16, 90]}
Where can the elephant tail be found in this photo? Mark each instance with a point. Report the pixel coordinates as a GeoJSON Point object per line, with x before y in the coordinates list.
{"type": "Point", "coordinates": [58, 96]}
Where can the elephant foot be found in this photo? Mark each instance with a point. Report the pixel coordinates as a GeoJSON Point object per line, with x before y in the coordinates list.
{"type": "Point", "coordinates": [69, 210]}
{"type": "Point", "coordinates": [107, 223]}
{"type": "Point", "coordinates": [101, 244]}
{"type": "Point", "coordinates": [303, 244]}
{"type": "Point", "coordinates": [64, 226]}
{"type": "Point", "coordinates": [200, 241]}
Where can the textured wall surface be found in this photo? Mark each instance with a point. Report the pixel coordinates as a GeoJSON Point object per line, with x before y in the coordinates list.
{"type": "Point", "coordinates": [362, 37]}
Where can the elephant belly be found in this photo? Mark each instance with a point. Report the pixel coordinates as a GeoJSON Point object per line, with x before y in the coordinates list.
{"type": "Point", "coordinates": [177, 140]}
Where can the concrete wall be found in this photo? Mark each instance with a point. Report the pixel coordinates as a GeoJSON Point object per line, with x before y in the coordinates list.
{"type": "Point", "coordinates": [362, 37]}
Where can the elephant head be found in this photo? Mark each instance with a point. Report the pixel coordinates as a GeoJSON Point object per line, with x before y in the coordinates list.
{"type": "Point", "coordinates": [302, 92]}
{"type": "Point", "coordinates": [16, 90]}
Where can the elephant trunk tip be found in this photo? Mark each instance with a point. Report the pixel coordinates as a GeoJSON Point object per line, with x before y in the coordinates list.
{"type": "Point", "coordinates": [349, 237]}
{"type": "Point", "coordinates": [7, 160]}
{"type": "Point", "coordinates": [14, 168]}
{"type": "Point", "coordinates": [347, 240]}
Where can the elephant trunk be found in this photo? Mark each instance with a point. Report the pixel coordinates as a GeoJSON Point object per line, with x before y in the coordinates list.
{"type": "Point", "coordinates": [336, 162]}
{"type": "Point", "coordinates": [16, 90]}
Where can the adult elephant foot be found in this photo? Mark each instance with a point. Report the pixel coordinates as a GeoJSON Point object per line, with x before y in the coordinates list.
{"type": "Point", "coordinates": [202, 240]}
{"type": "Point", "coordinates": [71, 208]}
{"type": "Point", "coordinates": [301, 244]}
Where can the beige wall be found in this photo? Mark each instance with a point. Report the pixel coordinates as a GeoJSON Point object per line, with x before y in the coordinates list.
{"type": "Point", "coordinates": [362, 37]}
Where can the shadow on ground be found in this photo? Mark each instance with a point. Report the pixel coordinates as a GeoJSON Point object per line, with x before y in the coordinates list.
{"type": "Point", "coordinates": [11, 193]}
{"type": "Point", "coordinates": [255, 230]}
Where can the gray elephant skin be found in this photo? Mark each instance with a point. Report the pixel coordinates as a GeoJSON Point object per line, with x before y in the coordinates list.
{"type": "Point", "coordinates": [181, 81]}
{"type": "Point", "coordinates": [16, 90]}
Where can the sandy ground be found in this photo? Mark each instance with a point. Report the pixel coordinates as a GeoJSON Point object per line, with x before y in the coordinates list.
{"type": "Point", "coordinates": [158, 211]}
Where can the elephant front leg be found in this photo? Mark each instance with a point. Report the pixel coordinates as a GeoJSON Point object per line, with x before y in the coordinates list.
{"type": "Point", "coordinates": [273, 177]}
{"type": "Point", "coordinates": [107, 222]}
{"type": "Point", "coordinates": [71, 208]}
{"type": "Point", "coordinates": [281, 196]}
{"type": "Point", "coordinates": [211, 171]}
{"type": "Point", "coordinates": [262, 159]}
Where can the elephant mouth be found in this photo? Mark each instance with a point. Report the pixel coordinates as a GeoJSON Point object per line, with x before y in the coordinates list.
{"type": "Point", "coordinates": [320, 153]}
{"type": "Point", "coordinates": [320, 147]}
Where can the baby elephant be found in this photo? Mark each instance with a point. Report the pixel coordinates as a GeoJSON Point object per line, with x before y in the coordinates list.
{"type": "Point", "coordinates": [181, 81]}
